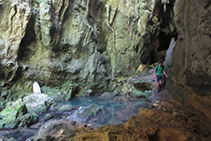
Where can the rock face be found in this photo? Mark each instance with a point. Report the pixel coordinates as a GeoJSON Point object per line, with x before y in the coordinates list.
{"type": "Point", "coordinates": [88, 43]}
{"type": "Point", "coordinates": [191, 58]}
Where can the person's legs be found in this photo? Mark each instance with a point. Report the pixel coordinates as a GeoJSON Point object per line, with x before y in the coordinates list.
{"type": "Point", "coordinates": [158, 85]}
{"type": "Point", "coordinates": [158, 79]}
{"type": "Point", "coordinates": [162, 80]}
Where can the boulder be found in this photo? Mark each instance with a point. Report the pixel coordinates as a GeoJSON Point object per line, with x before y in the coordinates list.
{"type": "Point", "coordinates": [16, 114]}
{"type": "Point", "coordinates": [109, 94]}
{"type": "Point", "coordinates": [139, 85]}
{"type": "Point", "coordinates": [84, 114]}
{"type": "Point", "coordinates": [47, 117]}
{"type": "Point", "coordinates": [146, 81]}
{"type": "Point", "coordinates": [59, 94]}
{"type": "Point", "coordinates": [29, 119]}
{"type": "Point", "coordinates": [65, 108]}
{"type": "Point", "coordinates": [38, 103]}
{"type": "Point", "coordinates": [55, 130]}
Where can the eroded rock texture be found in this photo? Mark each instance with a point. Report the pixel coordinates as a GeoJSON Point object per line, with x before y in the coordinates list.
{"type": "Point", "coordinates": [81, 43]}
{"type": "Point", "coordinates": [165, 124]}
{"type": "Point", "coordinates": [191, 59]}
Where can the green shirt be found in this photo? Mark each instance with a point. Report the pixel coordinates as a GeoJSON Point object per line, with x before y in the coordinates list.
{"type": "Point", "coordinates": [159, 70]}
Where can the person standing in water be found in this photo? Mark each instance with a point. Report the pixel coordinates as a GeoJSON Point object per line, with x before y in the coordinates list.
{"type": "Point", "coordinates": [159, 73]}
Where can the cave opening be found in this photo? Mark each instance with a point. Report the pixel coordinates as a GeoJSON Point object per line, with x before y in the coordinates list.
{"type": "Point", "coordinates": [164, 42]}
{"type": "Point", "coordinates": [28, 39]}
{"type": "Point", "coordinates": [167, 31]}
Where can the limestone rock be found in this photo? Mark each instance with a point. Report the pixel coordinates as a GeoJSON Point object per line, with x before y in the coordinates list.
{"type": "Point", "coordinates": [65, 108]}
{"type": "Point", "coordinates": [191, 57]}
{"type": "Point", "coordinates": [109, 94]}
{"type": "Point", "coordinates": [14, 23]}
{"type": "Point", "coordinates": [141, 68]}
{"type": "Point", "coordinates": [153, 125]}
{"type": "Point", "coordinates": [47, 117]}
{"type": "Point", "coordinates": [38, 103]}
{"type": "Point", "coordinates": [145, 81]}
{"type": "Point", "coordinates": [57, 94]}
{"type": "Point", "coordinates": [189, 66]}
{"type": "Point", "coordinates": [84, 114]}
{"type": "Point", "coordinates": [168, 59]}
{"type": "Point", "coordinates": [92, 43]}
{"type": "Point", "coordinates": [56, 130]}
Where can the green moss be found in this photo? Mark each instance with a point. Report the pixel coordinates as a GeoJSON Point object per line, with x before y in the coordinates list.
{"type": "Point", "coordinates": [59, 94]}
{"type": "Point", "coordinates": [11, 112]}
{"type": "Point", "coordinates": [11, 94]}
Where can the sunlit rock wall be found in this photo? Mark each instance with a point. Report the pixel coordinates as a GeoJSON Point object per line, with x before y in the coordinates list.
{"type": "Point", "coordinates": [67, 43]}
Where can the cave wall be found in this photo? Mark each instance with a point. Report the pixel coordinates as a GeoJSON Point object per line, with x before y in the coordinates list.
{"type": "Point", "coordinates": [191, 56]}
{"type": "Point", "coordinates": [64, 43]}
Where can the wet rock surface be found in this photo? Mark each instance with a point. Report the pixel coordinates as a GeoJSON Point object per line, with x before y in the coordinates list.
{"type": "Point", "coordinates": [169, 121]}
{"type": "Point", "coordinates": [84, 114]}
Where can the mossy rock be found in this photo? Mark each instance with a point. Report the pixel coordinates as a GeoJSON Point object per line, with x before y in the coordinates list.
{"type": "Point", "coordinates": [28, 119]}
{"type": "Point", "coordinates": [16, 114]}
{"type": "Point", "coordinates": [58, 94]}
{"type": "Point", "coordinates": [12, 94]}
{"type": "Point", "coordinates": [11, 113]}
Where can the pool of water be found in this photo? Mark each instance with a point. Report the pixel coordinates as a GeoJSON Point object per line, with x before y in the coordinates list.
{"type": "Point", "coordinates": [117, 110]}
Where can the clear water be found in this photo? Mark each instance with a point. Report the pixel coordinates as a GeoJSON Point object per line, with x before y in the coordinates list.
{"type": "Point", "coordinates": [117, 111]}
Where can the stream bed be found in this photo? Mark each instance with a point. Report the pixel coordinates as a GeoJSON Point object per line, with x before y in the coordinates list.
{"type": "Point", "coordinates": [116, 110]}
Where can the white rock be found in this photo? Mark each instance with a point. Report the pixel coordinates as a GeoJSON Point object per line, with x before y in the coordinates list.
{"type": "Point", "coordinates": [38, 103]}
{"type": "Point", "coordinates": [36, 88]}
